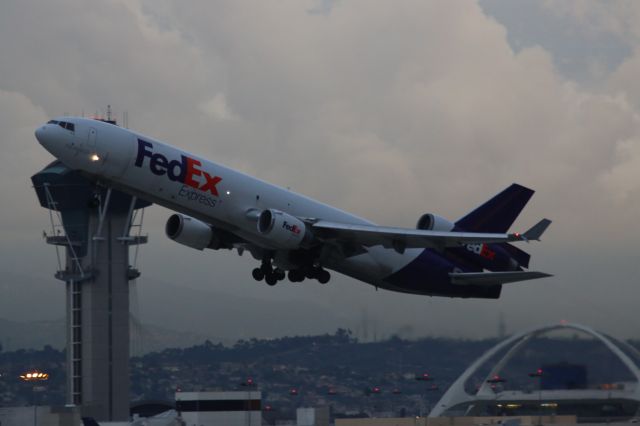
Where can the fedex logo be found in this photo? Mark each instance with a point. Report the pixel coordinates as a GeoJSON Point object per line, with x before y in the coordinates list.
{"type": "Point", "coordinates": [482, 250]}
{"type": "Point", "coordinates": [292, 228]}
{"type": "Point", "coordinates": [187, 171]}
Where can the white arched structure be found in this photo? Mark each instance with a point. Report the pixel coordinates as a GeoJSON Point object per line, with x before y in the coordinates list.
{"type": "Point", "coordinates": [457, 395]}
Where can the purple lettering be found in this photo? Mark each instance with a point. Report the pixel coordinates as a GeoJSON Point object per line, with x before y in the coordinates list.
{"type": "Point", "coordinates": [158, 164]}
{"type": "Point", "coordinates": [143, 152]}
{"type": "Point", "coordinates": [178, 171]}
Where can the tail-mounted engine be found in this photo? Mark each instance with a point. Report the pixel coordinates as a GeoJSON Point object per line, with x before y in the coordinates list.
{"type": "Point", "coordinates": [432, 222]}
{"type": "Point", "coordinates": [283, 230]}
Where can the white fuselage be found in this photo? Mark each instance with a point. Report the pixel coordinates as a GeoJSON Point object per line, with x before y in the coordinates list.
{"type": "Point", "coordinates": [189, 184]}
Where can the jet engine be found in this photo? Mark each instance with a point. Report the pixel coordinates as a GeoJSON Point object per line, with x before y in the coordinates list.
{"type": "Point", "coordinates": [282, 229]}
{"type": "Point", "coordinates": [432, 222]}
{"type": "Point", "coordinates": [189, 231]}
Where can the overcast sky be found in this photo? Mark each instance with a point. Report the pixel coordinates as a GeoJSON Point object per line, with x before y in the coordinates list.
{"type": "Point", "coordinates": [388, 109]}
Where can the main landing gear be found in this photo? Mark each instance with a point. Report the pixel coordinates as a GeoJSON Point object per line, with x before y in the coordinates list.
{"type": "Point", "coordinates": [272, 275]}
{"type": "Point", "coordinates": [267, 273]}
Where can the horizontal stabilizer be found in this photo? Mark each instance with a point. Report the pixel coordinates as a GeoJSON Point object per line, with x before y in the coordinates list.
{"type": "Point", "coordinates": [537, 230]}
{"type": "Point", "coordinates": [494, 278]}
{"type": "Point", "coordinates": [534, 233]}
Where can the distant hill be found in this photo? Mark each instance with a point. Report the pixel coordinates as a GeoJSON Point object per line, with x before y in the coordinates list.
{"type": "Point", "coordinates": [35, 334]}
{"type": "Point", "coordinates": [314, 365]}
{"type": "Point", "coordinates": [173, 316]}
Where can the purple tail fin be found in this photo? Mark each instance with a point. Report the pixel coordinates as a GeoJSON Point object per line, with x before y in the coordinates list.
{"type": "Point", "coordinates": [499, 213]}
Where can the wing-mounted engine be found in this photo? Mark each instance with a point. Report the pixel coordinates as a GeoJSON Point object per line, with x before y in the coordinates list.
{"type": "Point", "coordinates": [432, 222]}
{"type": "Point", "coordinates": [283, 230]}
{"type": "Point", "coordinates": [194, 233]}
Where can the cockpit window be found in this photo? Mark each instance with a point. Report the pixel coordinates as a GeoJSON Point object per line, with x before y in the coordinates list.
{"type": "Point", "coordinates": [63, 124]}
{"type": "Point", "coordinates": [67, 125]}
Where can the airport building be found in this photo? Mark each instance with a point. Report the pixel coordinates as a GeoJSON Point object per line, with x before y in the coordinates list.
{"type": "Point", "coordinates": [220, 408]}
{"type": "Point", "coordinates": [232, 408]}
{"type": "Point", "coordinates": [460, 421]}
{"type": "Point", "coordinates": [590, 375]}
{"type": "Point", "coordinates": [312, 416]}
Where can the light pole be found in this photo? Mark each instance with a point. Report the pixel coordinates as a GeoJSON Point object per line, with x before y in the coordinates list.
{"type": "Point", "coordinates": [34, 377]}
{"type": "Point", "coordinates": [424, 377]}
{"type": "Point", "coordinates": [432, 388]}
{"type": "Point", "coordinates": [494, 381]}
{"type": "Point", "coordinates": [376, 390]}
{"type": "Point", "coordinates": [249, 384]}
{"type": "Point", "coordinates": [331, 392]}
{"type": "Point", "coordinates": [538, 375]}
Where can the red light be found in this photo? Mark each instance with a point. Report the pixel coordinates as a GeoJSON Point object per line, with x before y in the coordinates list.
{"type": "Point", "coordinates": [496, 379]}
{"type": "Point", "coordinates": [423, 377]}
{"type": "Point", "coordinates": [538, 373]}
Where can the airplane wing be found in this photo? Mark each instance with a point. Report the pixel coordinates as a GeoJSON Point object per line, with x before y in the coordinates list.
{"type": "Point", "coordinates": [494, 278]}
{"type": "Point", "coordinates": [404, 238]}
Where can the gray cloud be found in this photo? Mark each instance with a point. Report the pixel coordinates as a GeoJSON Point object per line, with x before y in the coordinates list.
{"type": "Point", "coordinates": [386, 109]}
{"type": "Point", "coordinates": [574, 33]}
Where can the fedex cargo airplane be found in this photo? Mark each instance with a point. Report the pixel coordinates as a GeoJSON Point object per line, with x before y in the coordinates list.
{"type": "Point", "coordinates": [294, 236]}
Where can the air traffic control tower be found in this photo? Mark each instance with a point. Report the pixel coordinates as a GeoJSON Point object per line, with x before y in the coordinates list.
{"type": "Point", "coordinates": [93, 225]}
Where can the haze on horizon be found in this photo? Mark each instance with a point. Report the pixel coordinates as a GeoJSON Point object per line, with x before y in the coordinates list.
{"type": "Point", "coordinates": [385, 109]}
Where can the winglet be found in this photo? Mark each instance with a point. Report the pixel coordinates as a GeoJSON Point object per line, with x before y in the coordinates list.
{"type": "Point", "coordinates": [534, 233]}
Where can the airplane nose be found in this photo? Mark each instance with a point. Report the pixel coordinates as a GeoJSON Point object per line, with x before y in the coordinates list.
{"type": "Point", "coordinates": [40, 134]}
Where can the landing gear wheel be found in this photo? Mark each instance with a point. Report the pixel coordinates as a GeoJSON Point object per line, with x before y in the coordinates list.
{"type": "Point", "coordinates": [311, 273]}
{"type": "Point", "coordinates": [258, 275]}
{"type": "Point", "coordinates": [271, 279]}
{"type": "Point", "coordinates": [296, 276]}
{"type": "Point", "coordinates": [279, 273]}
{"type": "Point", "coordinates": [324, 276]}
